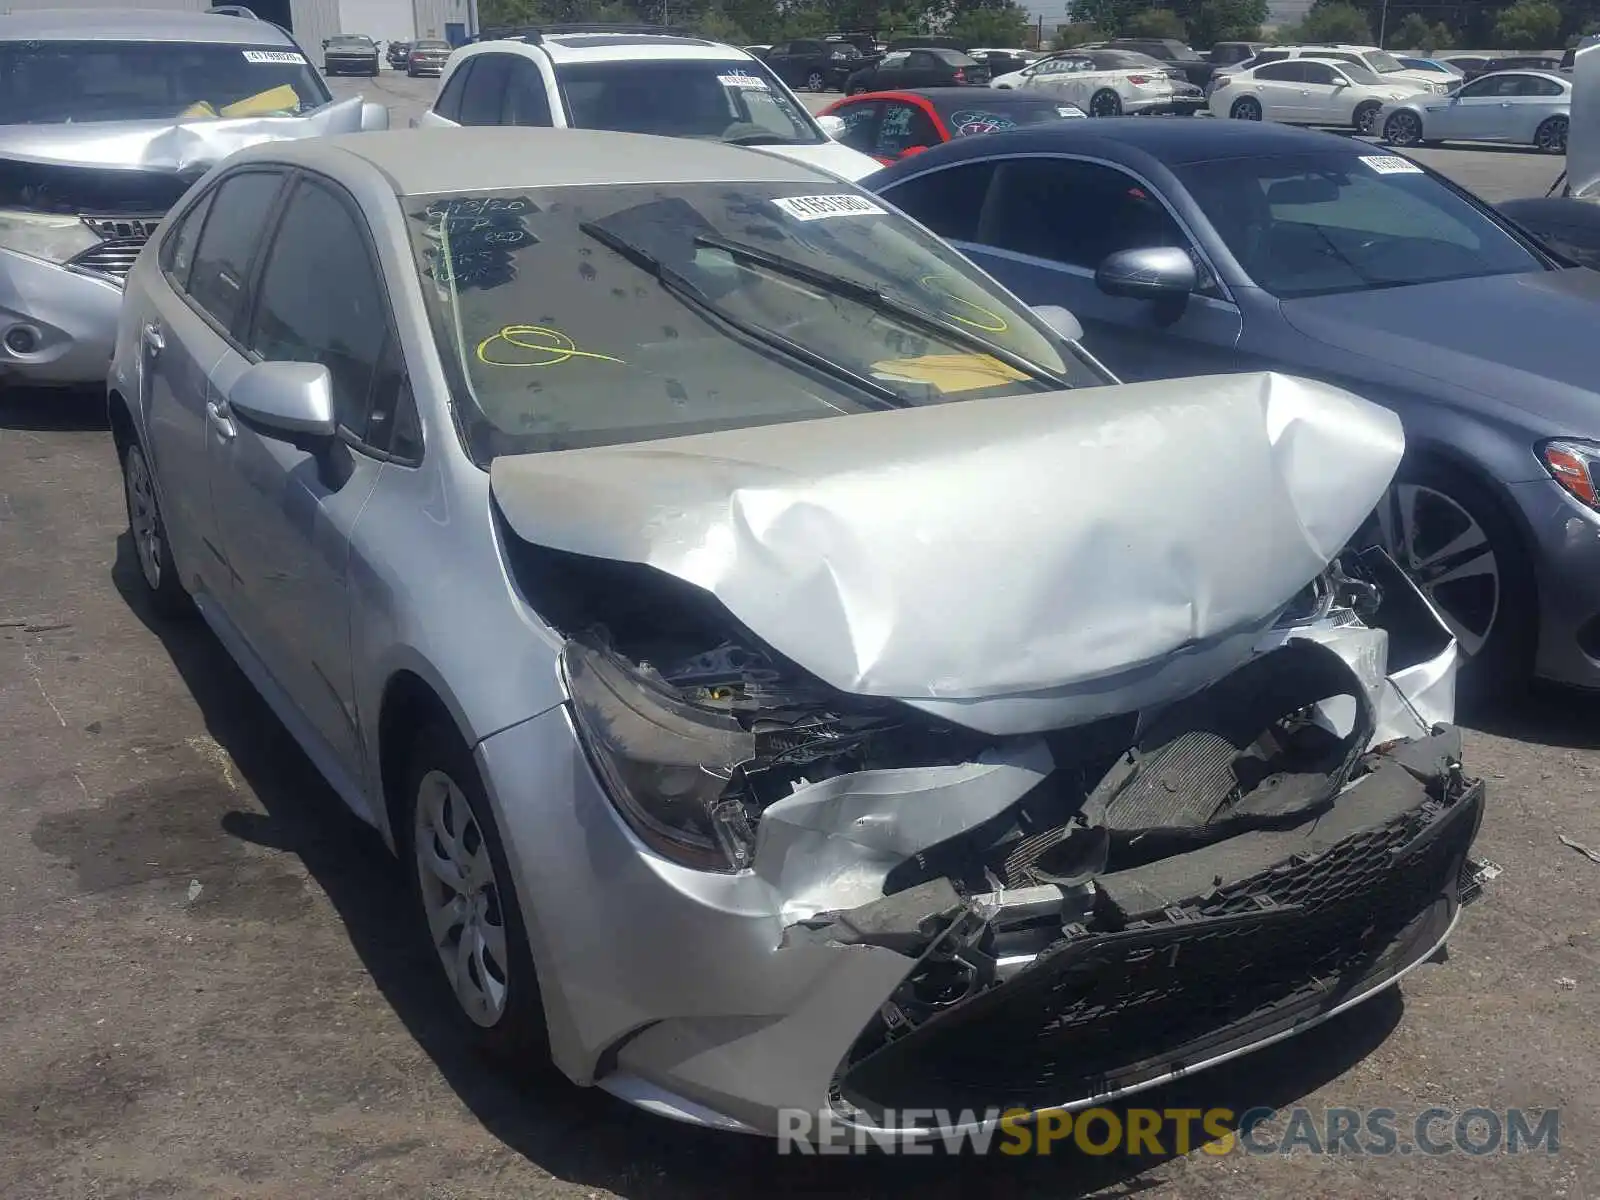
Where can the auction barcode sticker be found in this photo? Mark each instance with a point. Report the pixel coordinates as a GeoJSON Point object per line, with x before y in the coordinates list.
{"type": "Point", "coordinates": [743, 81]}
{"type": "Point", "coordinates": [275, 56]}
{"type": "Point", "coordinates": [1391, 164]}
{"type": "Point", "coordinates": [815, 208]}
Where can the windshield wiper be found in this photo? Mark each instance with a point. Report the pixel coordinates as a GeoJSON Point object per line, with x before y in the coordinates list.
{"type": "Point", "coordinates": [686, 291]}
{"type": "Point", "coordinates": [763, 139]}
{"type": "Point", "coordinates": [876, 298]}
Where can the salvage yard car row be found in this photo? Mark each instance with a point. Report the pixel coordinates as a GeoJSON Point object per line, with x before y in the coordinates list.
{"type": "Point", "coordinates": [739, 599]}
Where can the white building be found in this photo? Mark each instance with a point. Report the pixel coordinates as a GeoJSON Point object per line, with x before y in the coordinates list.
{"type": "Point", "coordinates": [313, 20]}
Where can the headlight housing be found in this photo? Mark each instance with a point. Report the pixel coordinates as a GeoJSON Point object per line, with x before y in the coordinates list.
{"type": "Point", "coordinates": [1575, 466]}
{"type": "Point", "coordinates": [672, 769]}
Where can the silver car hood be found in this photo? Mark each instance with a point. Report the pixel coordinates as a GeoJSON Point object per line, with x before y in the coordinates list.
{"type": "Point", "coordinates": [167, 145]}
{"type": "Point", "coordinates": [1013, 564]}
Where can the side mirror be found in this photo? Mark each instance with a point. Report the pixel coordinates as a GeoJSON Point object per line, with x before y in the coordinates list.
{"type": "Point", "coordinates": [1340, 83]}
{"type": "Point", "coordinates": [374, 118]}
{"type": "Point", "coordinates": [1061, 322]}
{"type": "Point", "coordinates": [325, 42]}
{"type": "Point", "coordinates": [831, 125]}
{"type": "Point", "coordinates": [287, 401]}
{"type": "Point", "coordinates": [1152, 273]}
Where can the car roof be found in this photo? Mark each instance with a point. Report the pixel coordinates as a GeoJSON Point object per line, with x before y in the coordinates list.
{"type": "Point", "coordinates": [137, 25]}
{"type": "Point", "coordinates": [618, 47]}
{"type": "Point", "coordinates": [1130, 139]}
{"type": "Point", "coordinates": [487, 158]}
{"type": "Point", "coordinates": [1558, 76]}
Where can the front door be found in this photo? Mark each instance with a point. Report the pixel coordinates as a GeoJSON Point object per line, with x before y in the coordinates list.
{"type": "Point", "coordinates": [1478, 111]}
{"type": "Point", "coordinates": [184, 335]}
{"type": "Point", "coordinates": [1322, 100]}
{"type": "Point", "coordinates": [286, 514]}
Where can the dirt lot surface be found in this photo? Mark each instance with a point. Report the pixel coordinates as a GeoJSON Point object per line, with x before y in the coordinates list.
{"type": "Point", "coordinates": [206, 988]}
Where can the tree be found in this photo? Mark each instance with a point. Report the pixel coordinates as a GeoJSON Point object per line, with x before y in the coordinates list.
{"type": "Point", "coordinates": [1074, 34]}
{"type": "Point", "coordinates": [1414, 33]}
{"type": "Point", "coordinates": [995, 24]}
{"type": "Point", "coordinates": [1529, 25]}
{"type": "Point", "coordinates": [1155, 23]}
{"type": "Point", "coordinates": [1110, 17]}
{"type": "Point", "coordinates": [1335, 22]}
{"type": "Point", "coordinates": [1212, 21]}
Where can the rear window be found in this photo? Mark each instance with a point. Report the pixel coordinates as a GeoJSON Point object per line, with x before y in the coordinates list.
{"type": "Point", "coordinates": [732, 101]}
{"type": "Point", "coordinates": [46, 83]}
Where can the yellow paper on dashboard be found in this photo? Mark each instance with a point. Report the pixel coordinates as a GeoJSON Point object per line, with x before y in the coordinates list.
{"type": "Point", "coordinates": [282, 98]}
{"type": "Point", "coordinates": [949, 372]}
{"type": "Point", "coordinates": [198, 109]}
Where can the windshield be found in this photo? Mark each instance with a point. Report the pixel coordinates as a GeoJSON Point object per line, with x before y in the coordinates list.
{"type": "Point", "coordinates": [1316, 224]}
{"type": "Point", "coordinates": [588, 316]}
{"type": "Point", "coordinates": [1383, 63]}
{"type": "Point", "coordinates": [351, 41]}
{"type": "Point", "coordinates": [44, 83]}
{"type": "Point", "coordinates": [430, 45]}
{"type": "Point", "coordinates": [737, 101]}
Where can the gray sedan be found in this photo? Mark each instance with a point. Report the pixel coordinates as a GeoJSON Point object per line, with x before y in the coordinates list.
{"type": "Point", "coordinates": [1527, 108]}
{"type": "Point", "coordinates": [725, 599]}
{"type": "Point", "coordinates": [1239, 246]}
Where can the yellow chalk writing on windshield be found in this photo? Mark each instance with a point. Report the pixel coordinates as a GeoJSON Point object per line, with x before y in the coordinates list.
{"type": "Point", "coordinates": [994, 322]}
{"type": "Point", "coordinates": [554, 346]}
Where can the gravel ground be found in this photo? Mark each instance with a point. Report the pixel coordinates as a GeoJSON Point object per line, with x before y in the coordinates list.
{"type": "Point", "coordinates": [204, 989]}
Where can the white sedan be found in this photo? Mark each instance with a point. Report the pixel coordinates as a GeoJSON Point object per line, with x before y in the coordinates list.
{"type": "Point", "coordinates": [1099, 89]}
{"type": "Point", "coordinates": [1306, 91]}
{"type": "Point", "coordinates": [1531, 108]}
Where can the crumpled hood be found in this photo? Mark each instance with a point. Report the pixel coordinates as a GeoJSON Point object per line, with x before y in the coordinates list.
{"type": "Point", "coordinates": [1014, 564]}
{"type": "Point", "coordinates": [183, 147]}
{"type": "Point", "coordinates": [830, 156]}
{"type": "Point", "coordinates": [1515, 338]}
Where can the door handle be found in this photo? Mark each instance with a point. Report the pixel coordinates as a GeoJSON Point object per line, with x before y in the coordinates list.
{"type": "Point", "coordinates": [1505, 104]}
{"type": "Point", "coordinates": [154, 342]}
{"type": "Point", "coordinates": [220, 422]}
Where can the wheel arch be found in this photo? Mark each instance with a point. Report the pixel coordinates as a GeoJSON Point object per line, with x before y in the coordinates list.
{"type": "Point", "coordinates": [410, 703]}
{"type": "Point", "coordinates": [119, 416]}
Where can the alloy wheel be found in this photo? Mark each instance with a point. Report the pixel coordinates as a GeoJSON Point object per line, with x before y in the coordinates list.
{"type": "Point", "coordinates": [1403, 129]}
{"type": "Point", "coordinates": [1366, 118]}
{"type": "Point", "coordinates": [1246, 110]}
{"type": "Point", "coordinates": [461, 898]}
{"type": "Point", "coordinates": [1105, 104]}
{"type": "Point", "coordinates": [1552, 136]}
{"type": "Point", "coordinates": [144, 518]}
{"type": "Point", "coordinates": [814, 81]}
{"type": "Point", "coordinates": [1447, 554]}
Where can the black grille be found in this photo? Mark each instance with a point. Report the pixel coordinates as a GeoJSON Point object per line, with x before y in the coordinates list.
{"type": "Point", "coordinates": [113, 258]}
{"type": "Point", "coordinates": [1103, 1012]}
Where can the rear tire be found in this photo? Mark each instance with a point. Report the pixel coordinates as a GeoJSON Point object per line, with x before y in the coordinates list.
{"type": "Point", "coordinates": [472, 925]}
{"type": "Point", "coordinates": [1551, 136]}
{"type": "Point", "coordinates": [1105, 103]}
{"type": "Point", "coordinates": [147, 528]}
{"type": "Point", "coordinates": [1246, 108]}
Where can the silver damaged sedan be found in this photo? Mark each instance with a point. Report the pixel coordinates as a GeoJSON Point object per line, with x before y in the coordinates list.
{"type": "Point", "coordinates": [794, 677]}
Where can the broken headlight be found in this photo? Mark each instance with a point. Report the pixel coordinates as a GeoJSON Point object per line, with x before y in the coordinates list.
{"type": "Point", "coordinates": [54, 237]}
{"type": "Point", "coordinates": [671, 768]}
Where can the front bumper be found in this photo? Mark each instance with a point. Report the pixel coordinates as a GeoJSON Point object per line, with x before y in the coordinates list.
{"type": "Point", "coordinates": [351, 66]}
{"type": "Point", "coordinates": [1566, 548]}
{"type": "Point", "coordinates": [73, 317]}
{"type": "Point", "coordinates": [427, 66]}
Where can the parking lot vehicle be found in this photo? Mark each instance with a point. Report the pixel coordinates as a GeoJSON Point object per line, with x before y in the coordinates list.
{"type": "Point", "coordinates": [635, 83]}
{"type": "Point", "coordinates": [918, 67]}
{"type": "Point", "coordinates": [1530, 108]}
{"type": "Point", "coordinates": [1447, 73]}
{"type": "Point", "coordinates": [1002, 61]}
{"type": "Point", "coordinates": [1234, 246]}
{"type": "Point", "coordinates": [427, 57]}
{"type": "Point", "coordinates": [1307, 91]}
{"type": "Point", "coordinates": [894, 125]}
{"type": "Point", "coordinates": [108, 117]}
{"type": "Point", "coordinates": [349, 54]}
{"type": "Point", "coordinates": [1196, 69]}
{"type": "Point", "coordinates": [814, 64]}
{"type": "Point", "coordinates": [1227, 54]}
{"type": "Point", "coordinates": [1107, 83]}
{"type": "Point", "coordinates": [567, 496]}
{"type": "Point", "coordinates": [398, 54]}
{"type": "Point", "coordinates": [1381, 63]}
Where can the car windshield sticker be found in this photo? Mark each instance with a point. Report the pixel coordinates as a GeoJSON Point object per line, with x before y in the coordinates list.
{"type": "Point", "coordinates": [1391, 164]}
{"type": "Point", "coordinates": [474, 237]}
{"type": "Point", "coordinates": [969, 122]}
{"type": "Point", "coordinates": [275, 56]}
{"type": "Point", "coordinates": [742, 80]}
{"type": "Point", "coordinates": [816, 208]}
{"type": "Point", "coordinates": [533, 346]}
{"type": "Point", "coordinates": [978, 316]}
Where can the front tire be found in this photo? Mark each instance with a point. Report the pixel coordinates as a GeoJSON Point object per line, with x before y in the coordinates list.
{"type": "Point", "coordinates": [1403, 129]}
{"type": "Point", "coordinates": [1365, 116]}
{"type": "Point", "coordinates": [1551, 136]}
{"type": "Point", "coordinates": [1246, 108]}
{"type": "Point", "coordinates": [815, 82]}
{"type": "Point", "coordinates": [1105, 103]}
{"type": "Point", "coordinates": [163, 590]}
{"type": "Point", "coordinates": [466, 902]}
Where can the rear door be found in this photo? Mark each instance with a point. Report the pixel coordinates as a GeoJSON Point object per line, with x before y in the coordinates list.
{"type": "Point", "coordinates": [923, 69]}
{"type": "Point", "coordinates": [1277, 86]}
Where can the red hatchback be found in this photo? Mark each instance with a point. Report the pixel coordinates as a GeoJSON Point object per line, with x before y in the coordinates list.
{"type": "Point", "coordinates": [893, 125]}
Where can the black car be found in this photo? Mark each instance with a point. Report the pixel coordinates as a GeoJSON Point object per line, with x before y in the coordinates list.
{"type": "Point", "coordinates": [349, 54]}
{"type": "Point", "coordinates": [427, 58]}
{"type": "Point", "coordinates": [398, 53]}
{"type": "Point", "coordinates": [1570, 228]}
{"type": "Point", "coordinates": [1227, 54]}
{"type": "Point", "coordinates": [1472, 66]}
{"type": "Point", "coordinates": [922, 67]}
{"type": "Point", "coordinates": [815, 64]}
{"type": "Point", "coordinates": [1196, 70]}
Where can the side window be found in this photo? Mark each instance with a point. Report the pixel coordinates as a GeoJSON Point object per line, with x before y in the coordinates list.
{"type": "Point", "coordinates": [527, 102]}
{"type": "Point", "coordinates": [320, 300]}
{"type": "Point", "coordinates": [177, 252]}
{"type": "Point", "coordinates": [1544, 87]}
{"type": "Point", "coordinates": [1110, 211]}
{"type": "Point", "coordinates": [1319, 73]}
{"type": "Point", "coordinates": [1281, 72]}
{"type": "Point", "coordinates": [904, 126]}
{"type": "Point", "coordinates": [484, 97]}
{"type": "Point", "coordinates": [221, 270]}
{"type": "Point", "coordinates": [1270, 56]}
{"type": "Point", "coordinates": [858, 121]}
{"type": "Point", "coordinates": [921, 60]}
{"type": "Point", "coordinates": [448, 105]}
{"type": "Point", "coordinates": [897, 59]}
{"type": "Point", "coordinates": [949, 201]}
